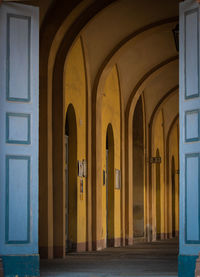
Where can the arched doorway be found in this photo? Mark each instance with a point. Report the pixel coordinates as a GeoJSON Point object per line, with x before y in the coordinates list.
{"type": "Point", "coordinates": [158, 202]}
{"type": "Point", "coordinates": [173, 197]}
{"type": "Point", "coordinates": [71, 179]}
{"type": "Point", "coordinates": [110, 186]}
{"type": "Point", "coordinates": [138, 171]}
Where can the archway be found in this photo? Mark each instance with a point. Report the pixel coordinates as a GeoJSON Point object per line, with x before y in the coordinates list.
{"type": "Point", "coordinates": [173, 196]}
{"type": "Point", "coordinates": [90, 164]}
{"type": "Point", "coordinates": [110, 186]}
{"type": "Point", "coordinates": [138, 171]}
{"type": "Point", "coordinates": [158, 206]}
{"type": "Point", "coordinates": [71, 179]}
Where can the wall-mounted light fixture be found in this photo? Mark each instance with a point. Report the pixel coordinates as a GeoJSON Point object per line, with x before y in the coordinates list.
{"type": "Point", "coordinates": [176, 36]}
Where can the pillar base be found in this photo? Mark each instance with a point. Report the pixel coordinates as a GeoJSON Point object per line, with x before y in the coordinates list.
{"type": "Point", "coordinates": [186, 265]}
{"type": "Point", "coordinates": [27, 265]}
{"type": "Point", "coordinates": [129, 241]}
{"type": "Point", "coordinates": [46, 252]}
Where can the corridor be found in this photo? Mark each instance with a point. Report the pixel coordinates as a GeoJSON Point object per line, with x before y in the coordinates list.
{"type": "Point", "coordinates": [141, 259]}
{"type": "Point", "coordinates": [100, 138]}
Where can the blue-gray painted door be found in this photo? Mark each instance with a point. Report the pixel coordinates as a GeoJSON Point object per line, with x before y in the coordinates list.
{"type": "Point", "coordinates": [189, 134]}
{"type": "Point", "coordinates": [19, 124]}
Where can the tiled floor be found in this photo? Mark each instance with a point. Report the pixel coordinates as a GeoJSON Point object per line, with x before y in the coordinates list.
{"type": "Point", "coordinates": [142, 259]}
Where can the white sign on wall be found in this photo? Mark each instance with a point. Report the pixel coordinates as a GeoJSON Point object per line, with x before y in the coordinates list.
{"type": "Point", "coordinates": [117, 179]}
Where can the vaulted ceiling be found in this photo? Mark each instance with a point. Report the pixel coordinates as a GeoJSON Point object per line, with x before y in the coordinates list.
{"type": "Point", "coordinates": [136, 35]}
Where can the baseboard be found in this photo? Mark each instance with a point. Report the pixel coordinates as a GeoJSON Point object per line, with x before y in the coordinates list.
{"type": "Point", "coordinates": [21, 265]}
{"type": "Point", "coordinates": [139, 239]}
{"type": "Point", "coordinates": [186, 265]}
{"type": "Point", "coordinates": [116, 242]}
{"type": "Point", "coordinates": [1, 268]}
{"type": "Point", "coordinates": [129, 241]}
{"type": "Point", "coordinates": [81, 247]}
{"type": "Point", "coordinates": [46, 252]}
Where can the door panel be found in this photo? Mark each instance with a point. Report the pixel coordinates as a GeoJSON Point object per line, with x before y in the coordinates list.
{"type": "Point", "coordinates": [19, 125]}
{"type": "Point", "coordinates": [189, 129]}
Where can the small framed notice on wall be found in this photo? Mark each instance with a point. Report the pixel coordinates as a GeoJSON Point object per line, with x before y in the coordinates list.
{"type": "Point", "coordinates": [84, 168]}
{"type": "Point", "coordinates": [117, 179]}
{"type": "Point", "coordinates": [80, 168]}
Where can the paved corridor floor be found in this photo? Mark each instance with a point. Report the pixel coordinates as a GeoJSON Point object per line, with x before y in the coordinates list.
{"type": "Point", "coordinates": [141, 259]}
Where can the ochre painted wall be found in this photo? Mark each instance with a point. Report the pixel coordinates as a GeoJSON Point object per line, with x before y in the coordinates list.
{"type": "Point", "coordinates": [75, 94]}
{"type": "Point", "coordinates": [111, 115]}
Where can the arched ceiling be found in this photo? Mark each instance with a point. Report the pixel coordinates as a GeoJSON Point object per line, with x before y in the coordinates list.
{"type": "Point", "coordinates": [136, 35]}
{"type": "Point", "coordinates": [142, 54]}
{"type": "Point", "coordinates": [164, 83]}
{"type": "Point", "coordinates": [170, 111]}
{"type": "Point", "coordinates": [119, 20]}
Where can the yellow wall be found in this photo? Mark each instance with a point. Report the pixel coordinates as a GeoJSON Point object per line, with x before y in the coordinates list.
{"type": "Point", "coordinates": [158, 143]}
{"type": "Point", "coordinates": [174, 151]}
{"type": "Point", "coordinates": [111, 114]}
{"type": "Point", "coordinates": [98, 45]}
{"type": "Point", "coordinates": [75, 93]}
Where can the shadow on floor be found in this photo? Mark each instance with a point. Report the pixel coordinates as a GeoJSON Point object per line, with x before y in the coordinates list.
{"type": "Point", "coordinates": [141, 259]}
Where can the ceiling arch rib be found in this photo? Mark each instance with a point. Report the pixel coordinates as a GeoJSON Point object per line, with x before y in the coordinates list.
{"type": "Point", "coordinates": [143, 82]}
{"type": "Point", "coordinates": [113, 56]}
{"type": "Point", "coordinates": [157, 88]}
{"type": "Point", "coordinates": [120, 20]}
{"type": "Point", "coordinates": [162, 100]}
{"type": "Point", "coordinates": [170, 103]}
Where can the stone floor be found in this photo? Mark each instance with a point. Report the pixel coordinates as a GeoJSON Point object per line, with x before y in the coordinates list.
{"type": "Point", "coordinates": [141, 259]}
